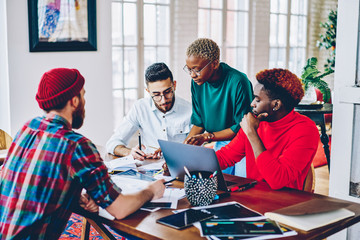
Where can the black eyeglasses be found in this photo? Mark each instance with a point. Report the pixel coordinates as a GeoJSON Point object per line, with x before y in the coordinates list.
{"type": "Point", "coordinates": [197, 72]}
{"type": "Point", "coordinates": [168, 93]}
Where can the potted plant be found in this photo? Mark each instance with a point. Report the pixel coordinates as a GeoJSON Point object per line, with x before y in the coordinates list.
{"type": "Point", "coordinates": [312, 77]}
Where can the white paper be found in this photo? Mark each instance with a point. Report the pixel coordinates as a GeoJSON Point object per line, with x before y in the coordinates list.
{"type": "Point", "coordinates": [129, 185]}
{"type": "Point", "coordinates": [123, 163]}
{"type": "Point", "coordinates": [152, 166]}
{"type": "Point", "coordinates": [3, 153]}
{"type": "Point", "coordinates": [171, 193]}
{"type": "Point", "coordinates": [105, 214]}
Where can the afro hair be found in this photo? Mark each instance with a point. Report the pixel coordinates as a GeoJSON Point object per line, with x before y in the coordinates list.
{"type": "Point", "coordinates": [282, 84]}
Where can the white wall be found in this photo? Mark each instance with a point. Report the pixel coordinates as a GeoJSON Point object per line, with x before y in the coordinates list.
{"type": "Point", "coordinates": [4, 79]}
{"type": "Point", "coordinates": [26, 69]}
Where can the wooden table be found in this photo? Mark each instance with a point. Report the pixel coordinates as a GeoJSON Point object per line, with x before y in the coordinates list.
{"type": "Point", "coordinates": [261, 198]}
{"type": "Point", "coordinates": [317, 115]}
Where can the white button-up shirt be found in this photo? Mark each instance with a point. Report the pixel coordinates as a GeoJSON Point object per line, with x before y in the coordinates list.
{"type": "Point", "coordinates": [153, 124]}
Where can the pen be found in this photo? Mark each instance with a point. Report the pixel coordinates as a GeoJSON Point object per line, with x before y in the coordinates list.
{"type": "Point", "coordinates": [243, 188]}
{"type": "Point", "coordinates": [170, 181]}
{"type": "Point", "coordinates": [221, 195]}
{"type": "Point", "coordinates": [152, 147]}
{"type": "Point", "coordinates": [139, 141]}
{"type": "Point", "coordinates": [200, 176]}
{"type": "Point", "coordinates": [158, 172]}
{"type": "Point", "coordinates": [187, 172]}
{"type": "Point", "coordinates": [115, 171]}
{"type": "Point", "coordinates": [214, 174]}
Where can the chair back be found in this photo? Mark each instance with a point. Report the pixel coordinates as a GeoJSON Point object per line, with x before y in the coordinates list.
{"type": "Point", "coordinates": [5, 140]}
{"type": "Point", "coordinates": [309, 183]}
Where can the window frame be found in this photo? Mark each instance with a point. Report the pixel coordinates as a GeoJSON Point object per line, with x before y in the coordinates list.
{"type": "Point", "coordinates": [140, 49]}
{"type": "Point", "coordinates": [223, 44]}
{"type": "Point", "coordinates": [287, 46]}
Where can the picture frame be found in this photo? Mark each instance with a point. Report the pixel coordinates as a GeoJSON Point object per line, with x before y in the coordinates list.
{"type": "Point", "coordinates": [62, 26]}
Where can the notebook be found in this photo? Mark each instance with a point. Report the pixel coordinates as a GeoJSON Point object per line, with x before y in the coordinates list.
{"type": "Point", "coordinates": [197, 158]}
{"type": "Point", "coordinates": [312, 214]}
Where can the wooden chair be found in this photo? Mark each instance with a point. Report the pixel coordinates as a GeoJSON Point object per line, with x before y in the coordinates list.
{"type": "Point", "coordinates": [5, 142]}
{"type": "Point", "coordinates": [309, 183]}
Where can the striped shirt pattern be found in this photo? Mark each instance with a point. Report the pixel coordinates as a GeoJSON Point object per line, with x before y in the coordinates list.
{"type": "Point", "coordinates": [47, 166]}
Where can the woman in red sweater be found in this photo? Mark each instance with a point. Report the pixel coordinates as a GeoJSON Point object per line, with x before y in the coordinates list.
{"type": "Point", "coordinates": [279, 143]}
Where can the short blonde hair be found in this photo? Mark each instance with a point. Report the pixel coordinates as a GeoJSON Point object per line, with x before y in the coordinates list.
{"type": "Point", "coordinates": [204, 48]}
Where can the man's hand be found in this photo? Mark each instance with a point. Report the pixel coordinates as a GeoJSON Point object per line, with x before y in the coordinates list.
{"type": "Point", "coordinates": [250, 122]}
{"type": "Point", "coordinates": [87, 203]}
{"type": "Point", "coordinates": [137, 153]}
{"type": "Point", "coordinates": [197, 139]}
{"type": "Point", "coordinates": [157, 188]}
{"type": "Point", "coordinates": [140, 155]}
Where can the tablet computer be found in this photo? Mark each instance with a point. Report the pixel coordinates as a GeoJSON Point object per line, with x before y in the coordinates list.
{"type": "Point", "coordinates": [184, 219]}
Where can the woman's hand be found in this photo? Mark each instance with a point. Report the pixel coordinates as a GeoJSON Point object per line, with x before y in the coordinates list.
{"type": "Point", "coordinates": [198, 139]}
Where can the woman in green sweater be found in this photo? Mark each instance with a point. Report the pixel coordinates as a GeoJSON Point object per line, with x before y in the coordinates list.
{"type": "Point", "coordinates": [221, 95]}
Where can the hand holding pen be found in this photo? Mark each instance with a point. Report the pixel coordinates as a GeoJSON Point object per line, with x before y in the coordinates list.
{"type": "Point", "coordinates": [138, 154]}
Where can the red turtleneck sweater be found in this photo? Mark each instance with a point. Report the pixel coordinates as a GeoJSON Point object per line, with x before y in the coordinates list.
{"type": "Point", "coordinates": [290, 144]}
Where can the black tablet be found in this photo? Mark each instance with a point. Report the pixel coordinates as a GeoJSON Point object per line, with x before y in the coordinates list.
{"type": "Point", "coordinates": [184, 219]}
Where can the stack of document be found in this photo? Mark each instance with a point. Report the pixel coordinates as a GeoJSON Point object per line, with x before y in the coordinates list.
{"type": "Point", "coordinates": [121, 164]}
{"type": "Point", "coordinates": [131, 184]}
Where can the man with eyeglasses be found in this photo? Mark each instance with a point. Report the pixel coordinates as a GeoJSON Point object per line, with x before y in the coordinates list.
{"type": "Point", "coordinates": [221, 96]}
{"type": "Point", "coordinates": [157, 117]}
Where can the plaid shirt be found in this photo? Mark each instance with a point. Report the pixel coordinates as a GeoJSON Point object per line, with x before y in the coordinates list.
{"type": "Point", "coordinates": [46, 168]}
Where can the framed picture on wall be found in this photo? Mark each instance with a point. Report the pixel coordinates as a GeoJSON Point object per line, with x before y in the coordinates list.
{"type": "Point", "coordinates": [62, 25]}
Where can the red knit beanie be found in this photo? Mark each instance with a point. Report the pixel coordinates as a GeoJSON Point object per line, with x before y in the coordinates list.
{"type": "Point", "coordinates": [58, 86]}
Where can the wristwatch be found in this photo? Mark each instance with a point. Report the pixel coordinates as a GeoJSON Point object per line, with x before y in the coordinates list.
{"type": "Point", "coordinates": [210, 137]}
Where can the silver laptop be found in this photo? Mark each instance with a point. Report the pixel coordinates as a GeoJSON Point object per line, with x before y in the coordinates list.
{"type": "Point", "coordinates": [196, 158]}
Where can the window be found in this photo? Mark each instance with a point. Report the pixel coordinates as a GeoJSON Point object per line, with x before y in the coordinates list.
{"type": "Point", "coordinates": [140, 37]}
{"type": "Point", "coordinates": [288, 34]}
{"type": "Point", "coordinates": [226, 22]}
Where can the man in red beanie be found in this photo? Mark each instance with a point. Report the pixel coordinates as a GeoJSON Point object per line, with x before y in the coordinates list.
{"type": "Point", "coordinates": [48, 164]}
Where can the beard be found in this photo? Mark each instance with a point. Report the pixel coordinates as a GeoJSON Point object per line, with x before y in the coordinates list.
{"type": "Point", "coordinates": [78, 116]}
{"type": "Point", "coordinates": [164, 109]}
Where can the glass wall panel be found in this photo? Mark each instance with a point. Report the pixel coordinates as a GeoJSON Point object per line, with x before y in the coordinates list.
{"type": "Point", "coordinates": [163, 27]}
{"type": "Point", "coordinates": [118, 106]}
{"type": "Point", "coordinates": [117, 66]}
{"type": "Point", "coordinates": [149, 24]}
{"type": "Point", "coordinates": [288, 46]}
{"type": "Point", "coordinates": [130, 97]}
{"type": "Point", "coordinates": [130, 67]}
{"type": "Point", "coordinates": [149, 56]}
{"type": "Point", "coordinates": [216, 29]}
{"type": "Point", "coordinates": [117, 30]}
{"type": "Point", "coordinates": [130, 23]}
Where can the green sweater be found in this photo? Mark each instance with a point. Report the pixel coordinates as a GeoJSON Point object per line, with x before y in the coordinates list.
{"type": "Point", "coordinates": [222, 104]}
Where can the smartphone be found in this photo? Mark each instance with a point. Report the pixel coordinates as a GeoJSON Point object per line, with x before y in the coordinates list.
{"type": "Point", "coordinates": [184, 219]}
